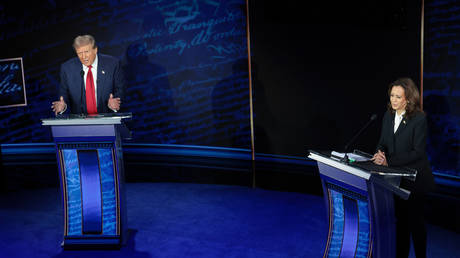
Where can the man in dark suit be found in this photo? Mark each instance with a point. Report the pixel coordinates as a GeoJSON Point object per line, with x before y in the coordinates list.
{"type": "Point", "coordinates": [91, 83]}
{"type": "Point", "coordinates": [403, 144]}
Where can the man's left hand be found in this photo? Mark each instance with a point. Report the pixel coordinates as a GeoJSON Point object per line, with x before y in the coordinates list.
{"type": "Point", "coordinates": [114, 103]}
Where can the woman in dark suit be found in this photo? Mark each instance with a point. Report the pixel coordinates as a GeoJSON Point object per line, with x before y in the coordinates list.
{"type": "Point", "coordinates": [402, 144]}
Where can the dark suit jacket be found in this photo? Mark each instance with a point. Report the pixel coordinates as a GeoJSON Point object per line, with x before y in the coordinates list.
{"type": "Point", "coordinates": [110, 79]}
{"type": "Point", "coordinates": [407, 148]}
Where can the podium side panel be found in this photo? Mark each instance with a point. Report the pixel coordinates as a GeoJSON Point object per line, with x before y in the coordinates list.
{"type": "Point", "coordinates": [90, 191]}
{"type": "Point", "coordinates": [91, 170]}
{"type": "Point", "coordinates": [83, 131]}
{"type": "Point", "coordinates": [120, 183]}
{"type": "Point", "coordinates": [336, 224]}
{"type": "Point", "coordinates": [343, 178]}
{"type": "Point", "coordinates": [364, 247]}
{"type": "Point", "coordinates": [72, 194]}
{"type": "Point", "coordinates": [109, 192]}
{"type": "Point", "coordinates": [100, 171]}
{"type": "Point", "coordinates": [382, 209]}
{"type": "Point", "coordinates": [348, 210]}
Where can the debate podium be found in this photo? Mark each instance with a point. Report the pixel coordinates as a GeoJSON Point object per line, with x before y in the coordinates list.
{"type": "Point", "coordinates": [90, 162]}
{"type": "Point", "coordinates": [359, 200]}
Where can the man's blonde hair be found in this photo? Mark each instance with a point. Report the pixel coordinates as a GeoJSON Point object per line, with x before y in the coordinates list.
{"type": "Point", "coordinates": [84, 40]}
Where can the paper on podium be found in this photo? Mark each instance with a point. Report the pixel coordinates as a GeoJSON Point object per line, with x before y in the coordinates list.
{"type": "Point", "coordinates": [351, 156]}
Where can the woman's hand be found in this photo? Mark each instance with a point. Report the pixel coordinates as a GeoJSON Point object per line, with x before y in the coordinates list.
{"type": "Point", "coordinates": [379, 158]}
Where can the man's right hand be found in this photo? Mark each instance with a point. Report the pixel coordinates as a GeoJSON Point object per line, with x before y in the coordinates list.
{"type": "Point", "coordinates": [59, 106]}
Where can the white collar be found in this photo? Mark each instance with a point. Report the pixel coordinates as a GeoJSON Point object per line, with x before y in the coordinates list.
{"type": "Point", "coordinates": [399, 117]}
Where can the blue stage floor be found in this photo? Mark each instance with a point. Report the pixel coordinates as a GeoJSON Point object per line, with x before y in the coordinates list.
{"type": "Point", "coordinates": [189, 220]}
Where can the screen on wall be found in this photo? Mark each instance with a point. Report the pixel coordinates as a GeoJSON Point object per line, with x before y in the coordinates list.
{"type": "Point", "coordinates": [12, 86]}
{"type": "Point", "coordinates": [442, 85]}
{"type": "Point", "coordinates": [185, 63]}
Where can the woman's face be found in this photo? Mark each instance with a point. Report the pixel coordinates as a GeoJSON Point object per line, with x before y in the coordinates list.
{"type": "Point", "coordinates": [398, 99]}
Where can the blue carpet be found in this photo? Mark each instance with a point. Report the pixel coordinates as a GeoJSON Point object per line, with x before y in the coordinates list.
{"type": "Point", "coordinates": [188, 220]}
{"type": "Point", "coordinates": [177, 220]}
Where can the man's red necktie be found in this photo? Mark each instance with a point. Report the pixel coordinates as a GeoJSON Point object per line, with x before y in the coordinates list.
{"type": "Point", "coordinates": [90, 93]}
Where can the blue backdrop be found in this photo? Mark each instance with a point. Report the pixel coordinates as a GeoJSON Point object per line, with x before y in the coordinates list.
{"type": "Point", "coordinates": [442, 85]}
{"type": "Point", "coordinates": [187, 73]}
{"type": "Point", "coordinates": [186, 64]}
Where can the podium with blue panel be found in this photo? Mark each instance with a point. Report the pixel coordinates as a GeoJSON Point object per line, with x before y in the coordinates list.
{"type": "Point", "coordinates": [90, 162]}
{"type": "Point", "coordinates": [359, 200]}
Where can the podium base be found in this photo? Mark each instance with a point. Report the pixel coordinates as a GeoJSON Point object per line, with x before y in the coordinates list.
{"type": "Point", "coordinates": [94, 243]}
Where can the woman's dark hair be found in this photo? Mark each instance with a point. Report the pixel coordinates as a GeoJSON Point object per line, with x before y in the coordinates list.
{"type": "Point", "coordinates": [411, 93]}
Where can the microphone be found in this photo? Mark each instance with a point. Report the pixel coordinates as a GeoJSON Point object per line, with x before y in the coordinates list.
{"type": "Point", "coordinates": [82, 74]}
{"type": "Point", "coordinates": [373, 117]}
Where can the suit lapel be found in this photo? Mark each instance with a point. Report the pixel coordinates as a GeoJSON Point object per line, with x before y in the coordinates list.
{"type": "Point", "coordinates": [100, 81]}
{"type": "Point", "coordinates": [401, 126]}
{"type": "Point", "coordinates": [80, 92]}
{"type": "Point", "coordinates": [391, 134]}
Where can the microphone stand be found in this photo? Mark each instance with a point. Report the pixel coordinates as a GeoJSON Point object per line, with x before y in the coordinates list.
{"type": "Point", "coordinates": [345, 157]}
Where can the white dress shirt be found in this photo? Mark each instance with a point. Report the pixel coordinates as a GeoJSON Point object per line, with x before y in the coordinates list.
{"type": "Point", "coordinates": [398, 119]}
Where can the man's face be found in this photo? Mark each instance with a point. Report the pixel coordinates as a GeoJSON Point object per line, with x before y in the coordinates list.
{"type": "Point", "coordinates": [86, 54]}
